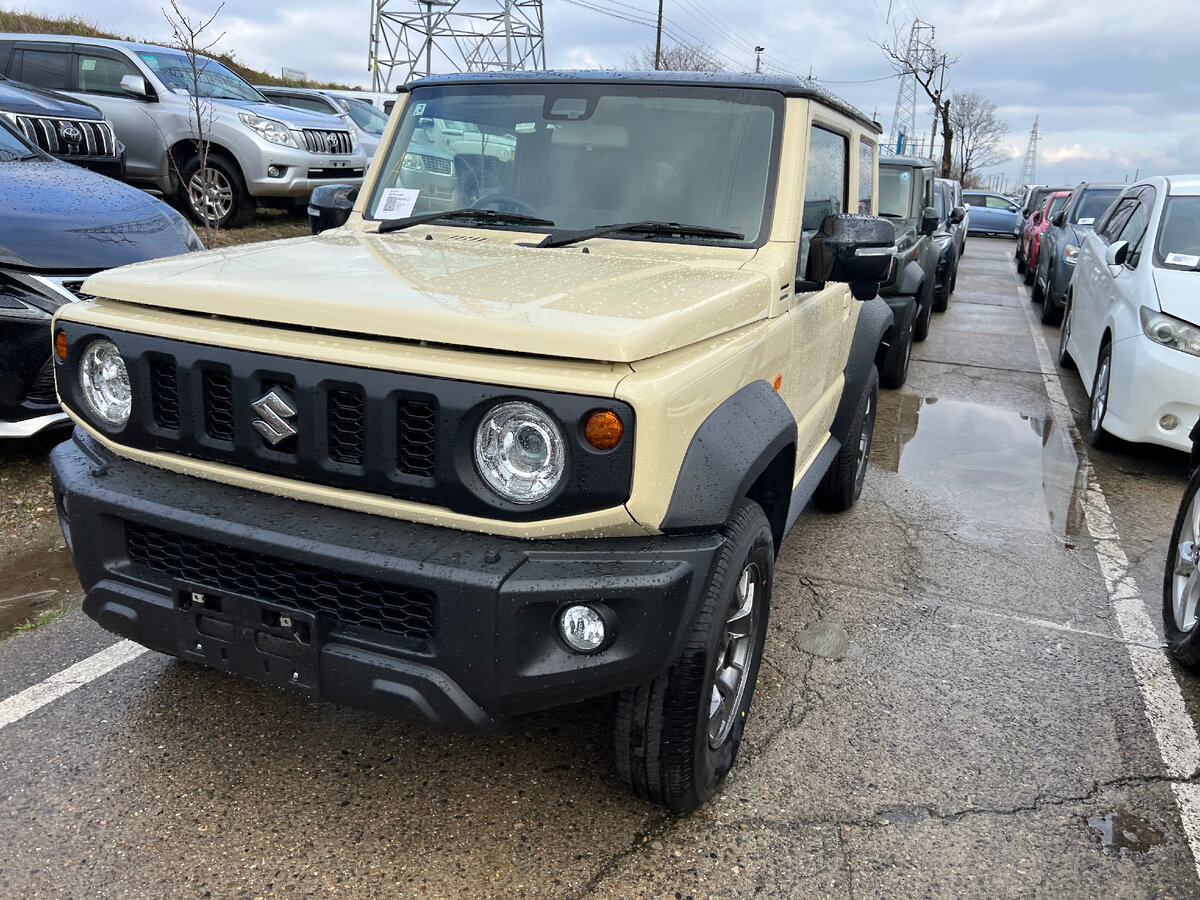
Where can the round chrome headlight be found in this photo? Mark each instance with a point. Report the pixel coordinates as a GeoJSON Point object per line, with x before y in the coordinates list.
{"type": "Point", "coordinates": [520, 452]}
{"type": "Point", "coordinates": [104, 383]}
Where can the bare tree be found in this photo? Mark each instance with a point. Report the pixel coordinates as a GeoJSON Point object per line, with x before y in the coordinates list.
{"type": "Point", "coordinates": [979, 134]}
{"type": "Point", "coordinates": [678, 58]}
{"type": "Point", "coordinates": [186, 34]}
{"type": "Point", "coordinates": [928, 68]}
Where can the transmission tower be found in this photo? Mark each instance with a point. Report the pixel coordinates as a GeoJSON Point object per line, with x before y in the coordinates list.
{"type": "Point", "coordinates": [410, 38]}
{"type": "Point", "coordinates": [917, 56]}
{"type": "Point", "coordinates": [1029, 170]}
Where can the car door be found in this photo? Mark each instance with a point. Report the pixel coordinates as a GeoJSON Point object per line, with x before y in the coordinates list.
{"type": "Point", "coordinates": [1092, 290]}
{"type": "Point", "coordinates": [98, 81]}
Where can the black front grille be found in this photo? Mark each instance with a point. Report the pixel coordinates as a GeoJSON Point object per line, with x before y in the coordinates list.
{"type": "Point", "coordinates": [218, 404]}
{"type": "Point", "coordinates": [347, 434]}
{"type": "Point", "coordinates": [436, 164]}
{"type": "Point", "coordinates": [320, 140]}
{"type": "Point", "coordinates": [69, 138]}
{"type": "Point", "coordinates": [350, 599]}
{"type": "Point", "coordinates": [164, 391]}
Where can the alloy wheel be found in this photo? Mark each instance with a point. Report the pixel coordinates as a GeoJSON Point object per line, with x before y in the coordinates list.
{"type": "Point", "coordinates": [734, 657]}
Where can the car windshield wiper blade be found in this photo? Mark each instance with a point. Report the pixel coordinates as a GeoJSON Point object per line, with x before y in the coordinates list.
{"type": "Point", "coordinates": [487, 215]}
{"type": "Point", "coordinates": [651, 228]}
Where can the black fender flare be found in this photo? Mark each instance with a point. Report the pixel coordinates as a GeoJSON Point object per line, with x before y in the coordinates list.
{"type": "Point", "coordinates": [874, 320]}
{"type": "Point", "coordinates": [728, 453]}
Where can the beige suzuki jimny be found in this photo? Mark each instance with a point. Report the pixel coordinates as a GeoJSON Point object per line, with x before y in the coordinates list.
{"type": "Point", "coordinates": [528, 428]}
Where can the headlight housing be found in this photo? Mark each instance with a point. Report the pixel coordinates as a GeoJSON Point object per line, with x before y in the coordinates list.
{"type": "Point", "coordinates": [1070, 254]}
{"type": "Point", "coordinates": [269, 129]}
{"type": "Point", "coordinates": [520, 452]}
{"type": "Point", "coordinates": [1170, 332]}
{"type": "Point", "coordinates": [104, 383]}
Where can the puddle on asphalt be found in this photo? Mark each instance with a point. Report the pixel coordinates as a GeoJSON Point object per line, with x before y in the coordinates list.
{"type": "Point", "coordinates": [33, 583]}
{"type": "Point", "coordinates": [995, 465]}
{"type": "Point", "coordinates": [1121, 831]}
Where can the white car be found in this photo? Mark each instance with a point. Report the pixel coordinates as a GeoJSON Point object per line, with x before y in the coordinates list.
{"type": "Point", "coordinates": [1132, 320]}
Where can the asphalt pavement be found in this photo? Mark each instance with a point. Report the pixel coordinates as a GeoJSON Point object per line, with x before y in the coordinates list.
{"type": "Point", "coordinates": [964, 695]}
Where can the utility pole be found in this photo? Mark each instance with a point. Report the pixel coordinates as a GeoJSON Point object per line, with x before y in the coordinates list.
{"type": "Point", "coordinates": [758, 51]}
{"type": "Point", "coordinates": [658, 39]}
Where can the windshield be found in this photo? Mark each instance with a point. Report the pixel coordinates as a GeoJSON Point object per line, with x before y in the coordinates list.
{"type": "Point", "coordinates": [365, 116]}
{"type": "Point", "coordinates": [895, 192]}
{"type": "Point", "coordinates": [214, 81]}
{"type": "Point", "coordinates": [1092, 205]}
{"type": "Point", "coordinates": [584, 155]}
{"type": "Point", "coordinates": [1178, 243]}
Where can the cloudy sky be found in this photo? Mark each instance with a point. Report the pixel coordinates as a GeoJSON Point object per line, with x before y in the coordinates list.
{"type": "Point", "coordinates": [1113, 85]}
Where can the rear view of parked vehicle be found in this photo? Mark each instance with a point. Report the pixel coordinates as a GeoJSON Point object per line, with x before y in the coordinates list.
{"type": "Point", "coordinates": [1061, 242]}
{"type": "Point", "coordinates": [1132, 321]}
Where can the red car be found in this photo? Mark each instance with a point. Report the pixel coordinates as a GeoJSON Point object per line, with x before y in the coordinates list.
{"type": "Point", "coordinates": [1031, 236]}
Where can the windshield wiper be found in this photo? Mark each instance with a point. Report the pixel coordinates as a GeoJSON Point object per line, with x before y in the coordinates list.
{"type": "Point", "coordinates": [649, 228]}
{"type": "Point", "coordinates": [486, 215]}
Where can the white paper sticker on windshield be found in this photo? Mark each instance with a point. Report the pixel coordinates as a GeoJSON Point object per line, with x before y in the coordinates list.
{"type": "Point", "coordinates": [419, 109]}
{"type": "Point", "coordinates": [1182, 259]}
{"type": "Point", "coordinates": [1087, 221]}
{"type": "Point", "coordinates": [396, 203]}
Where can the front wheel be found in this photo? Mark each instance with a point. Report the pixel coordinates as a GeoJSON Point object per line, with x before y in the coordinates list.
{"type": "Point", "coordinates": [843, 481]}
{"type": "Point", "coordinates": [1064, 355]}
{"type": "Point", "coordinates": [1098, 406]}
{"type": "Point", "coordinates": [924, 310]}
{"type": "Point", "coordinates": [894, 371]}
{"type": "Point", "coordinates": [1181, 580]}
{"type": "Point", "coordinates": [676, 738]}
{"type": "Point", "coordinates": [215, 193]}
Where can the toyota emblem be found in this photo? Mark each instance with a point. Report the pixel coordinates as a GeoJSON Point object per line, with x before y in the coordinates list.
{"type": "Point", "coordinates": [70, 133]}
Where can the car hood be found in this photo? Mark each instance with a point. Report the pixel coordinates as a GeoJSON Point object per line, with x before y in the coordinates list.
{"type": "Point", "coordinates": [289, 115]}
{"type": "Point", "coordinates": [1179, 293]}
{"type": "Point", "coordinates": [459, 289]}
{"type": "Point", "coordinates": [1077, 233]}
{"type": "Point", "coordinates": [58, 217]}
{"type": "Point", "coordinates": [27, 100]}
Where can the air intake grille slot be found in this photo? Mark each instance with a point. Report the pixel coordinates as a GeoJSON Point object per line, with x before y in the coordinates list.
{"type": "Point", "coordinates": [164, 393]}
{"type": "Point", "coordinates": [351, 599]}
{"type": "Point", "coordinates": [318, 140]}
{"type": "Point", "coordinates": [218, 404]}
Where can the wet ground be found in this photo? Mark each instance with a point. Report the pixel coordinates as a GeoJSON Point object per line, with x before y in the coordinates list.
{"type": "Point", "coordinates": [947, 707]}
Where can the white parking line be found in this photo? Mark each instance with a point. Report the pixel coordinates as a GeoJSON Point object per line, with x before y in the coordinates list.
{"type": "Point", "coordinates": [1161, 697]}
{"type": "Point", "coordinates": [18, 706]}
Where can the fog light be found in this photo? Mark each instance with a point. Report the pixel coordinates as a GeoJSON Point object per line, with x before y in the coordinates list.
{"type": "Point", "coordinates": [582, 628]}
{"type": "Point", "coordinates": [274, 171]}
{"type": "Point", "coordinates": [1168, 422]}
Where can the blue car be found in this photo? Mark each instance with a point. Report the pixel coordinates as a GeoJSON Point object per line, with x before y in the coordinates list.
{"type": "Point", "coordinates": [992, 214]}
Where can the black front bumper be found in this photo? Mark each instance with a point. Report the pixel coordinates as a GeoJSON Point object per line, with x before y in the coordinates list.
{"type": "Point", "coordinates": [293, 594]}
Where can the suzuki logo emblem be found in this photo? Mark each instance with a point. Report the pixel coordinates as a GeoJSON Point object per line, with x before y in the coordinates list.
{"type": "Point", "coordinates": [275, 408]}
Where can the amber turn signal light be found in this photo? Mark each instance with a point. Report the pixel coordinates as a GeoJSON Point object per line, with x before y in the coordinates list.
{"type": "Point", "coordinates": [603, 429]}
{"type": "Point", "coordinates": [60, 345]}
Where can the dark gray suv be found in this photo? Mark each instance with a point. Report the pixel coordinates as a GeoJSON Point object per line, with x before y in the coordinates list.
{"type": "Point", "coordinates": [1061, 243]}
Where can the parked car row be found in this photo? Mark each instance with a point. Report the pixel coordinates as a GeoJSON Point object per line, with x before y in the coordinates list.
{"type": "Point", "coordinates": [931, 227]}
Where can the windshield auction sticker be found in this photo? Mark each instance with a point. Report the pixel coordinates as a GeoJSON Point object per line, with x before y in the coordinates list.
{"type": "Point", "coordinates": [1182, 259]}
{"type": "Point", "coordinates": [396, 203]}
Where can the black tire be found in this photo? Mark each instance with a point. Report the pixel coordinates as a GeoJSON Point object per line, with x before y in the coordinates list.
{"type": "Point", "coordinates": [1181, 580]}
{"type": "Point", "coordinates": [1028, 276]}
{"type": "Point", "coordinates": [924, 310]}
{"type": "Point", "coordinates": [962, 251]}
{"type": "Point", "coordinates": [217, 194]}
{"type": "Point", "coordinates": [941, 298]}
{"type": "Point", "coordinates": [894, 371]}
{"type": "Point", "coordinates": [672, 746]}
{"type": "Point", "coordinates": [843, 481]}
{"type": "Point", "coordinates": [1038, 295]}
{"type": "Point", "coordinates": [1052, 313]}
{"type": "Point", "coordinates": [954, 277]}
{"type": "Point", "coordinates": [1064, 357]}
{"type": "Point", "coordinates": [1098, 404]}
{"type": "Point", "coordinates": [1019, 258]}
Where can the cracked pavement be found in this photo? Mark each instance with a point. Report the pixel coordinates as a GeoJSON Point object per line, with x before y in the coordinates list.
{"type": "Point", "coordinates": [946, 709]}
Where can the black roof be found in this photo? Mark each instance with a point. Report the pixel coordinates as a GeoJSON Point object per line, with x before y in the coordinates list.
{"type": "Point", "coordinates": [789, 87]}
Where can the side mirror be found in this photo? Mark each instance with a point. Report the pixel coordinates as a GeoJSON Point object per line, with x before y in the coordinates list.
{"type": "Point", "coordinates": [135, 85]}
{"type": "Point", "coordinates": [1060, 218]}
{"type": "Point", "coordinates": [854, 250]}
{"type": "Point", "coordinates": [329, 206]}
{"type": "Point", "coordinates": [1116, 254]}
{"type": "Point", "coordinates": [929, 221]}
{"type": "Point", "coordinates": [1037, 217]}
{"type": "Point", "coordinates": [957, 215]}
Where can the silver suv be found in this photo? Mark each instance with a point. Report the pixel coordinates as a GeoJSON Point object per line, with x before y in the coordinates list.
{"type": "Point", "coordinates": [262, 154]}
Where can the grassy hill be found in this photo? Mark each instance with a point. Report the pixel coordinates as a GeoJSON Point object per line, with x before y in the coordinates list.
{"type": "Point", "coordinates": [31, 23]}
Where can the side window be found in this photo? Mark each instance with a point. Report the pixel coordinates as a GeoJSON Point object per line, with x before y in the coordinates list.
{"type": "Point", "coordinates": [1001, 203]}
{"type": "Point", "coordinates": [939, 201]}
{"type": "Point", "coordinates": [103, 74]}
{"type": "Point", "coordinates": [1133, 232]}
{"type": "Point", "coordinates": [824, 186]}
{"type": "Point", "coordinates": [45, 68]}
{"type": "Point", "coordinates": [866, 176]}
{"type": "Point", "coordinates": [1116, 219]}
